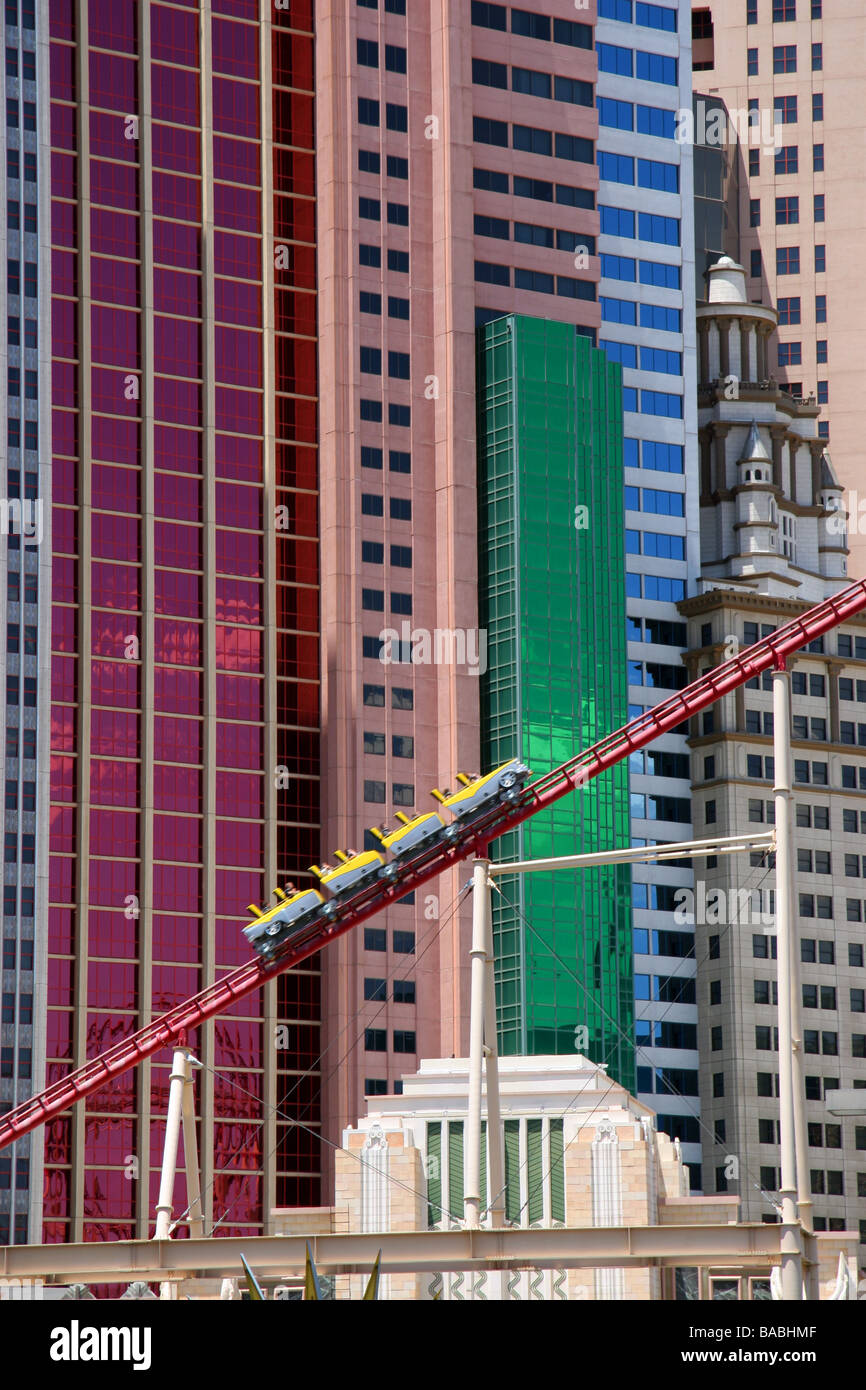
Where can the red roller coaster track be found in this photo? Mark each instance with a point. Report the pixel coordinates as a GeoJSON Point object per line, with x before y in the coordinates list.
{"type": "Point", "coordinates": [220, 996]}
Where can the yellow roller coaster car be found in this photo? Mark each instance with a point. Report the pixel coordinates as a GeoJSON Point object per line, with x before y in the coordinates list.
{"type": "Point", "coordinates": [503, 784]}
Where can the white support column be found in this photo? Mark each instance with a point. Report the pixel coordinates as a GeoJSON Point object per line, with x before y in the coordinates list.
{"type": "Point", "coordinates": [478, 954]}
{"type": "Point", "coordinates": [792, 1240]}
{"type": "Point", "coordinates": [177, 1082]}
{"type": "Point", "coordinates": [495, 1137]}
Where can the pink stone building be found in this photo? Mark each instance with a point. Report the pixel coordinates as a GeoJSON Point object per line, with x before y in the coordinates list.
{"type": "Point", "coordinates": [456, 178]}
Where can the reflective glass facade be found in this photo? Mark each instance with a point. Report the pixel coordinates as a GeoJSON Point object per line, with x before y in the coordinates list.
{"type": "Point", "coordinates": [552, 598]}
{"type": "Point", "coordinates": [25, 572]}
{"type": "Point", "coordinates": [184, 682]}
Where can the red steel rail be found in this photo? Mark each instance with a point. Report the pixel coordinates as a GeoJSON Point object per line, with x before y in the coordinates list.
{"type": "Point", "coordinates": [220, 996]}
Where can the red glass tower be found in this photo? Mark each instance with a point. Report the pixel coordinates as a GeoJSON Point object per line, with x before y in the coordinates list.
{"type": "Point", "coordinates": [184, 684]}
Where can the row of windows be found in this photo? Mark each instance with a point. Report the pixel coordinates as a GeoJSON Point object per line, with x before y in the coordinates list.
{"type": "Point", "coordinates": [530, 234]}
{"type": "Point", "coordinates": [784, 11]}
{"type": "Point", "coordinates": [13, 113]}
{"type": "Point", "coordinates": [646, 120]}
{"type": "Point", "coordinates": [667, 1081]}
{"type": "Point", "coordinates": [650, 173]}
{"type": "Point", "coordinates": [645, 226]}
{"type": "Point", "coordinates": [538, 281]}
{"type": "Point", "coordinates": [31, 383]}
{"type": "Point", "coordinates": [373, 601]}
{"type": "Point", "coordinates": [788, 210]}
{"type": "Point", "coordinates": [13, 165]}
{"type": "Point", "coordinates": [646, 67]}
{"type": "Point", "coordinates": [367, 51]}
{"type": "Point", "coordinates": [399, 508]}
{"type": "Point", "coordinates": [784, 59]}
{"type": "Point", "coordinates": [815, 1041]}
{"type": "Point", "coordinates": [28, 743]}
{"type": "Point", "coordinates": [370, 303]}
{"type": "Point", "coordinates": [378, 1086]}
{"type": "Point", "coordinates": [397, 415]}
{"type": "Point", "coordinates": [376, 991]}
{"type": "Point", "coordinates": [541, 190]}
{"type": "Point", "coordinates": [389, 6]}
{"type": "Point", "coordinates": [817, 160]}
{"type": "Point", "coordinates": [654, 316]}
{"type": "Point", "coordinates": [373, 553]}
{"type": "Point", "coordinates": [655, 1033]}
{"type": "Point", "coordinates": [656, 675]}
{"type": "Point", "coordinates": [788, 260]}
{"type": "Point", "coordinates": [31, 278]}
{"type": "Point", "coordinates": [530, 83]}
{"type": "Point", "coordinates": [372, 256]}
{"type": "Point", "coordinates": [370, 210]}
{"type": "Point", "coordinates": [669, 989]}
{"type": "Point", "coordinates": [376, 1040]}
{"type": "Point", "coordinates": [666, 277]}
{"type": "Point", "coordinates": [676, 809]}
{"type": "Point", "coordinates": [28, 15]}
{"type": "Point", "coordinates": [402, 793]}
{"type": "Point", "coordinates": [13, 216]}
{"type": "Point", "coordinates": [17, 954]}
{"type": "Point", "coordinates": [403, 942]}
{"type": "Point", "coordinates": [10, 900]}
{"type": "Point", "coordinates": [531, 25]}
{"type": "Point", "coordinates": [657, 544]}
{"type": "Point", "coordinates": [28, 63]}
{"type": "Point", "coordinates": [399, 460]}
{"type": "Point", "coordinates": [662, 458]}
{"type": "Point", "coordinates": [402, 746]}
{"type": "Point", "coordinates": [554, 144]}
{"type": "Point", "coordinates": [654, 500]}
{"type": "Point", "coordinates": [31, 332]}
{"type": "Point", "coordinates": [655, 587]}
{"type": "Point", "coordinates": [396, 115]}
{"type": "Point", "coordinates": [649, 359]}
{"type": "Point", "coordinates": [370, 162]}
{"type": "Point", "coordinates": [649, 16]}
{"type": "Point", "coordinates": [401, 698]}
{"type": "Point", "coordinates": [398, 363]}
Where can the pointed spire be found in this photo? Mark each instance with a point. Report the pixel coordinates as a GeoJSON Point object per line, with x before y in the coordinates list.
{"type": "Point", "coordinates": [755, 450]}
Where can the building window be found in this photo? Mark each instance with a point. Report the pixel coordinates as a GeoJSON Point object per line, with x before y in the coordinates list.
{"type": "Point", "coordinates": [820, 259]}
{"type": "Point", "coordinates": [375, 1040]}
{"type": "Point", "coordinates": [818, 158]}
{"type": "Point", "coordinates": [404, 1041]}
{"type": "Point", "coordinates": [817, 106]}
{"type": "Point", "coordinates": [785, 58]}
{"type": "Point", "coordinates": [754, 212]}
{"type": "Point", "coordinates": [819, 210]}
{"type": "Point", "coordinates": [787, 211]}
{"type": "Point", "coordinates": [787, 160]}
{"type": "Point", "coordinates": [789, 311]}
{"type": "Point", "coordinates": [787, 260]}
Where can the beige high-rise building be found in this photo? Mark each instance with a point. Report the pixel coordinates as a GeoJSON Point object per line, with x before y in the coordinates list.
{"type": "Point", "coordinates": [773, 544]}
{"type": "Point", "coordinates": [802, 64]}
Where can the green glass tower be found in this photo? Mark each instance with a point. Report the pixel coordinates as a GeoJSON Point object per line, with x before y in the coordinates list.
{"type": "Point", "coordinates": [552, 599]}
